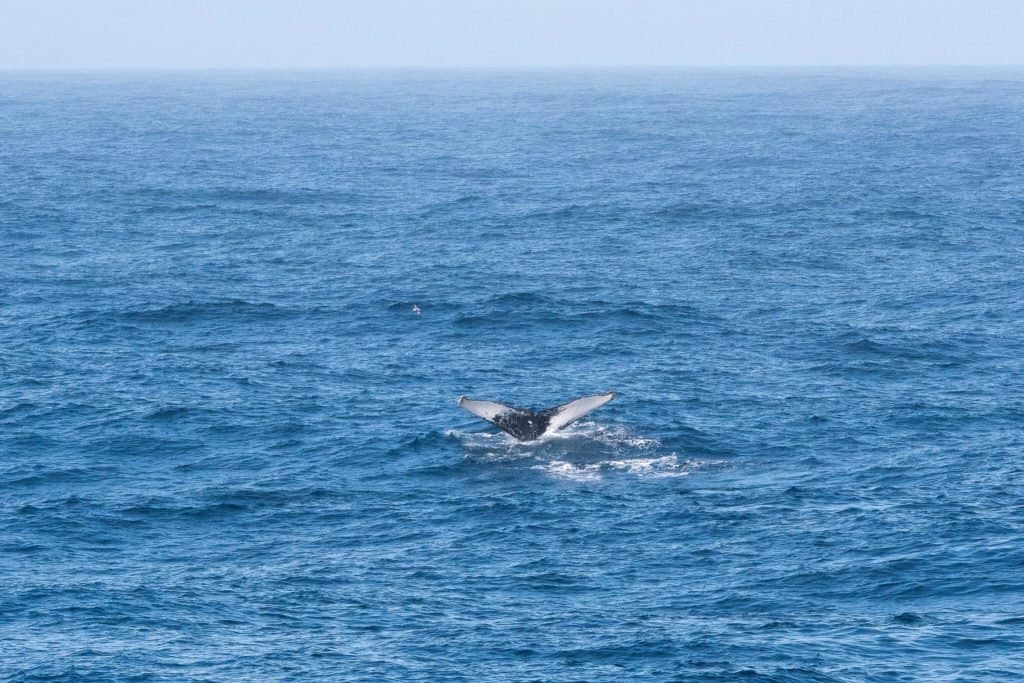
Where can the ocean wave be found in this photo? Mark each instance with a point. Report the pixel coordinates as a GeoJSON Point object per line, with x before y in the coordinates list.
{"type": "Point", "coordinates": [190, 311]}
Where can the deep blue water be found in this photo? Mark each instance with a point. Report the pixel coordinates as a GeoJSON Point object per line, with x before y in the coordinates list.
{"type": "Point", "coordinates": [229, 450]}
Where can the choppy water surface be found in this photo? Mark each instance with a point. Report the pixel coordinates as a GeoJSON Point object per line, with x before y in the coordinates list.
{"type": "Point", "coordinates": [229, 450]}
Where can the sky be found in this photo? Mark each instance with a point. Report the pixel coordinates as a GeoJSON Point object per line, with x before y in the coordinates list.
{"type": "Point", "coordinates": [325, 34]}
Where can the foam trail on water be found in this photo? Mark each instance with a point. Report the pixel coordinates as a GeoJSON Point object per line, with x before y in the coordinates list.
{"type": "Point", "coordinates": [584, 452]}
{"type": "Point", "coordinates": [644, 468]}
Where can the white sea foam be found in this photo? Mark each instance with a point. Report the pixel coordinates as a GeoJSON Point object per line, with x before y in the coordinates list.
{"type": "Point", "coordinates": [665, 466]}
{"type": "Point", "coordinates": [583, 452]}
{"type": "Point", "coordinates": [613, 437]}
{"type": "Point", "coordinates": [491, 446]}
{"type": "Point", "coordinates": [645, 468]}
{"type": "Point", "coordinates": [567, 470]}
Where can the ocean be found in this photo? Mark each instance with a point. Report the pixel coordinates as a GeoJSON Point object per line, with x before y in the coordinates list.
{"type": "Point", "coordinates": [230, 449]}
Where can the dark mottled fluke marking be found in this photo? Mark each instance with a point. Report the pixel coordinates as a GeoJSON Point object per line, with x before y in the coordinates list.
{"type": "Point", "coordinates": [525, 425]}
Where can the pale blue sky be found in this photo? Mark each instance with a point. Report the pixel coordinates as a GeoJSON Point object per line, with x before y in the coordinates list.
{"type": "Point", "coordinates": [85, 34]}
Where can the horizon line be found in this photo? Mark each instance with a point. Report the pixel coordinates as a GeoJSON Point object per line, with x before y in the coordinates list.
{"type": "Point", "coordinates": [497, 68]}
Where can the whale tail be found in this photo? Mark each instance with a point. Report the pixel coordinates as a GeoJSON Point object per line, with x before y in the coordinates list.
{"type": "Point", "coordinates": [527, 425]}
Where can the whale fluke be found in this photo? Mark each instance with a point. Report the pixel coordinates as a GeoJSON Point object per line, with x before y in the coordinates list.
{"type": "Point", "coordinates": [527, 425]}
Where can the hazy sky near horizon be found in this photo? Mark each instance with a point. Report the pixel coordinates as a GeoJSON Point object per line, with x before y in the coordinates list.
{"type": "Point", "coordinates": [117, 34]}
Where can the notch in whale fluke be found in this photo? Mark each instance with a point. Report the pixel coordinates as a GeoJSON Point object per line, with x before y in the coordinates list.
{"type": "Point", "coordinates": [527, 425]}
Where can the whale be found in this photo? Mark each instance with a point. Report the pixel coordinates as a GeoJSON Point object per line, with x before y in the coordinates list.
{"type": "Point", "coordinates": [530, 425]}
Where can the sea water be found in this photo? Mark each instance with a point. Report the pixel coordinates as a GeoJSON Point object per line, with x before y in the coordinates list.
{"type": "Point", "coordinates": [230, 448]}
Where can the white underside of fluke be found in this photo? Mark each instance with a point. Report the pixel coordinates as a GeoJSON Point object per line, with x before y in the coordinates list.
{"type": "Point", "coordinates": [566, 414]}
